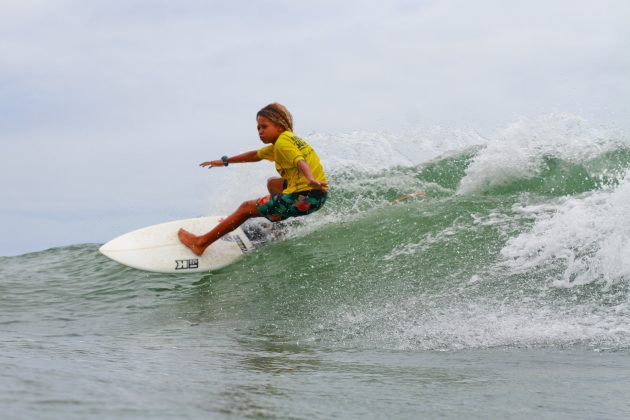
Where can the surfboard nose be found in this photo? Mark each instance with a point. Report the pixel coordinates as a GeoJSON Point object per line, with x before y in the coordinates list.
{"type": "Point", "coordinates": [105, 249]}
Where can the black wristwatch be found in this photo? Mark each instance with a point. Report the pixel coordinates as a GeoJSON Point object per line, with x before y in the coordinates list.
{"type": "Point", "coordinates": [225, 160]}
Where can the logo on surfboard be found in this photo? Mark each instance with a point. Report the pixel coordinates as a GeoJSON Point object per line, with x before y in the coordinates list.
{"type": "Point", "coordinates": [237, 239]}
{"type": "Point", "coordinates": [186, 264]}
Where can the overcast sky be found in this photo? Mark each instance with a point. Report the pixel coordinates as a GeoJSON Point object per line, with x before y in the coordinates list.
{"type": "Point", "coordinates": [107, 106]}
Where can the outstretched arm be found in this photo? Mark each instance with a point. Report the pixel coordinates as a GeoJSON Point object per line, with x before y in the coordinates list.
{"type": "Point", "coordinates": [312, 182]}
{"type": "Point", "coordinates": [251, 156]}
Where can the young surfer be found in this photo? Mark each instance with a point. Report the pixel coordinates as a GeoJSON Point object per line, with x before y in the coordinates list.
{"type": "Point", "coordinates": [301, 189]}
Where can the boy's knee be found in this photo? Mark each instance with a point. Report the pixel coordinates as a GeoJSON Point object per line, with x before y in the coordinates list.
{"type": "Point", "coordinates": [275, 185]}
{"type": "Point", "coordinates": [248, 207]}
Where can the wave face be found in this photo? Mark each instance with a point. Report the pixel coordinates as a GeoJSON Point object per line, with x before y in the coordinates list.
{"type": "Point", "coordinates": [522, 239]}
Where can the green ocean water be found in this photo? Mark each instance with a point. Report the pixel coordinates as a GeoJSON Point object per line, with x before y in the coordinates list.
{"type": "Point", "coordinates": [504, 292]}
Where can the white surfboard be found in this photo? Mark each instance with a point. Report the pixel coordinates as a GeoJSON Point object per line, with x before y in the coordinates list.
{"type": "Point", "coordinates": [157, 248]}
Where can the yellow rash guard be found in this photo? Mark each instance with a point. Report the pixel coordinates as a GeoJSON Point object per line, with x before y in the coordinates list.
{"type": "Point", "coordinates": [286, 152]}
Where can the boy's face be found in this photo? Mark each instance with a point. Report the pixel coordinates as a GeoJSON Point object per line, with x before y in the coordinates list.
{"type": "Point", "coordinates": [268, 131]}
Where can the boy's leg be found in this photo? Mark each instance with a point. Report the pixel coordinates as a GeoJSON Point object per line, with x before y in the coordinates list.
{"type": "Point", "coordinates": [198, 244]}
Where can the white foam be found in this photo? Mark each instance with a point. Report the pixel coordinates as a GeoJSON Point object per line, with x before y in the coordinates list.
{"type": "Point", "coordinates": [587, 237]}
{"type": "Point", "coordinates": [441, 323]}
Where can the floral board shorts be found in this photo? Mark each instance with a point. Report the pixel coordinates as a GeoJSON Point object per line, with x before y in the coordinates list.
{"type": "Point", "coordinates": [277, 207]}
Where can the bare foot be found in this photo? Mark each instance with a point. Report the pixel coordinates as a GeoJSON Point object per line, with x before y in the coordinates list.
{"type": "Point", "coordinates": [404, 197]}
{"type": "Point", "coordinates": [189, 240]}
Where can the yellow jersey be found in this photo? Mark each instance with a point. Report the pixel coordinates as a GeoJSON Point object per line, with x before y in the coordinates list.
{"type": "Point", "coordinates": [286, 152]}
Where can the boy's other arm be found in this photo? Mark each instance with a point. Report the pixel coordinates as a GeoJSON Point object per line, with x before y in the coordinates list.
{"type": "Point", "coordinates": [312, 182]}
{"type": "Point", "coordinates": [251, 156]}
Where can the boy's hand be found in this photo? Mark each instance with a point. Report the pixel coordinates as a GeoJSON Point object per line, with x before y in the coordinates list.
{"type": "Point", "coordinates": [318, 185]}
{"type": "Point", "coordinates": [212, 163]}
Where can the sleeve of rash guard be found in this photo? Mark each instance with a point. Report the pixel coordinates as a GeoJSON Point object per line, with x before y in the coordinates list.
{"type": "Point", "coordinates": [266, 153]}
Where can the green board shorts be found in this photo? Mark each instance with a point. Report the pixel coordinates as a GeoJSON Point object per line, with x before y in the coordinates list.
{"type": "Point", "coordinates": [277, 207]}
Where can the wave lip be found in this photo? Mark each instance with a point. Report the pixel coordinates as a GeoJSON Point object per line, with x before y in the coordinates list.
{"type": "Point", "coordinates": [526, 148]}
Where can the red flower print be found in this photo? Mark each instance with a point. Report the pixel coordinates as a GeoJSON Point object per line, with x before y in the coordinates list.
{"type": "Point", "coordinates": [302, 205]}
{"type": "Point", "coordinates": [263, 200]}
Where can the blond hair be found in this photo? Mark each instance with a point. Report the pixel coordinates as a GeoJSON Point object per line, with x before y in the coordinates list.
{"type": "Point", "coordinates": [277, 114]}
